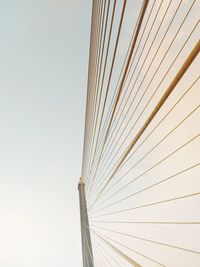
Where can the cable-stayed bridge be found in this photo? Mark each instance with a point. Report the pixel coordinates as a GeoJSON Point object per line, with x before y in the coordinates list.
{"type": "Point", "coordinates": [140, 185]}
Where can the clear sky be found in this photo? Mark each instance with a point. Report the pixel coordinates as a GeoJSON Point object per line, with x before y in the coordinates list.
{"type": "Point", "coordinates": [43, 73]}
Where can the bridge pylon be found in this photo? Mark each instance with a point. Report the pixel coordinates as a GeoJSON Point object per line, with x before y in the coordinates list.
{"type": "Point", "coordinates": [85, 230]}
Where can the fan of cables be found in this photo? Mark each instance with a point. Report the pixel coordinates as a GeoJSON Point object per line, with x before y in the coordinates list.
{"type": "Point", "coordinates": [141, 159]}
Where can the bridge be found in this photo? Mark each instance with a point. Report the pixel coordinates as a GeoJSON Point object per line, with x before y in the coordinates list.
{"type": "Point", "coordinates": [140, 188]}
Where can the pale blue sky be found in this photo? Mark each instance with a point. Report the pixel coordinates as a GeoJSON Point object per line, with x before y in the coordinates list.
{"type": "Point", "coordinates": [43, 72]}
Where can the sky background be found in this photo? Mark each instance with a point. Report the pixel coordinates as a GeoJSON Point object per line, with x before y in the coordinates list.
{"type": "Point", "coordinates": [43, 72]}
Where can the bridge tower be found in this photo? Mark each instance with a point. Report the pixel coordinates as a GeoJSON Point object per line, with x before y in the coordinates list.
{"type": "Point", "coordinates": [85, 230]}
